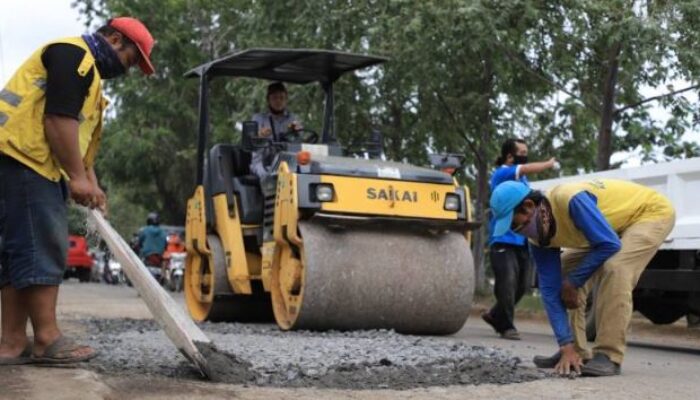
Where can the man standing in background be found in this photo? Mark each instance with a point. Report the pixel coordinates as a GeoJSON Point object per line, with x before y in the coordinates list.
{"type": "Point", "coordinates": [510, 258]}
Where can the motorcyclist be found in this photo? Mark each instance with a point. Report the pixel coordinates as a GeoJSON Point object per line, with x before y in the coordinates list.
{"type": "Point", "coordinates": [152, 241]}
{"type": "Point", "coordinates": [174, 245]}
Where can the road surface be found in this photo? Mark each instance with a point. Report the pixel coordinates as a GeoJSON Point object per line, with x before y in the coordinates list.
{"type": "Point", "coordinates": [664, 364]}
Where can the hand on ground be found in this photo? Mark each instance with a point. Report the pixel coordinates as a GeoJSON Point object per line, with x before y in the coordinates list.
{"type": "Point", "coordinates": [569, 361]}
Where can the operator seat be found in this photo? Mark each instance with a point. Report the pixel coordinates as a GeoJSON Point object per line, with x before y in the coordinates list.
{"type": "Point", "coordinates": [229, 173]}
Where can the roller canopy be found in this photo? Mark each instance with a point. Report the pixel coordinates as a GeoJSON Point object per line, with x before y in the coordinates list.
{"type": "Point", "coordinates": [287, 65]}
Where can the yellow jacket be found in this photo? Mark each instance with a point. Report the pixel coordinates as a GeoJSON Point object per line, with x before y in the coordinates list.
{"type": "Point", "coordinates": [22, 103]}
{"type": "Point", "coordinates": [622, 203]}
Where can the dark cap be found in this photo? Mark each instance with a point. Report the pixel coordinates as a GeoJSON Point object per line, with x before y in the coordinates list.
{"type": "Point", "coordinates": [275, 88]}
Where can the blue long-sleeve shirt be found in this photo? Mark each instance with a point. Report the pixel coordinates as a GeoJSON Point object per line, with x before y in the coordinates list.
{"type": "Point", "coordinates": [502, 174]}
{"type": "Point", "coordinates": [604, 243]}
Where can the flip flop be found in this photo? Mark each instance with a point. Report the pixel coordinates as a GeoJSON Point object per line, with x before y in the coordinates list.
{"type": "Point", "coordinates": [61, 352]}
{"type": "Point", "coordinates": [25, 357]}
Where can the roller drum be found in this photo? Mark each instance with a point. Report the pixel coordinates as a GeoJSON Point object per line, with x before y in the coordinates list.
{"type": "Point", "coordinates": [384, 278]}
{"type": "Point", "coordinates": [226, 306]}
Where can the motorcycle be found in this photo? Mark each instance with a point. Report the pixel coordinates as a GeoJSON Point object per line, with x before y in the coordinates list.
{"type": "Point", "coordinates": [154, 264]}
{"type": "Point", "coordinates": [114, 274]}
{"type": "Point", "coordinates": [175, 272]}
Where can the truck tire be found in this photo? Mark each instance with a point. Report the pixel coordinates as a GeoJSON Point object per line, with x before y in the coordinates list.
{"type": "Point", "coordinates": [84, 274]}
{"type": "Point", "coordinates": [660, 313]}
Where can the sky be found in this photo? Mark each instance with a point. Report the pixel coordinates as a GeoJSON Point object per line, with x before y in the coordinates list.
{"type": "Point", "coordinates": [27, 24]}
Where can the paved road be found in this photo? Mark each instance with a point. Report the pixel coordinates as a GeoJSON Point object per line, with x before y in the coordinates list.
{"type": "Point", "coordinates": [648, 372]}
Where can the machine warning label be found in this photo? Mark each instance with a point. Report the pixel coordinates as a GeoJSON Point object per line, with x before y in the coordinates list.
{"type": "Point", "coordinates": [388, 172]}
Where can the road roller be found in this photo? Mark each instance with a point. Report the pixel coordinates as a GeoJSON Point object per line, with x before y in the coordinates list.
{"type": "Point", "coordinates": [333, 238]}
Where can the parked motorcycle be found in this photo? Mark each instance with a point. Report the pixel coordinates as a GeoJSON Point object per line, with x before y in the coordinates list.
{"type": "Point", "coordinates": [175, 272]}
{"type": "Point", "coordinates": [114, 273]}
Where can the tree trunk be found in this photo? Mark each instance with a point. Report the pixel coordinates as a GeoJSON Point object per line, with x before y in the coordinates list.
{"type": "Point", "coordinates": [396, 138]}
{"type": "Point", "coordinates": [482, 190]}
{"type": "Point", "coordinates": [480, 235]}
{"type": "Point", "coordinates": [173, 212]}
{"type": "Point", "coordinates": [605, 135]}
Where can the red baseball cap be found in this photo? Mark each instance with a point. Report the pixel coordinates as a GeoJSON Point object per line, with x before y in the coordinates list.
{"type": "Point", "coordinates": [137, 32]}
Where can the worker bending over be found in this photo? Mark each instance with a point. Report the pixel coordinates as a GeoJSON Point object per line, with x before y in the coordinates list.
{"type": "Point", "coordinates": [608, 230]}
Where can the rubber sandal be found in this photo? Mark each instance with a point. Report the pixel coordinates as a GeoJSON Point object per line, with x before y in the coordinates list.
{"type": "Point", "coordinates": [61, 352]}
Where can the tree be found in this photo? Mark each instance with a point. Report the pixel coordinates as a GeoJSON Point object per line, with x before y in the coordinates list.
{"type": "Point", "coordinates": [452, 89]}
{"type": "Point", "coordinates": [601, 57]}
{"type": "Point", "coordinates": [568, 76]}
{"type": "Point", "coordinates": [148, 149]}
{"type": "Point", "coordinates": [460, 86]}
{"type": "Point", "coordinates": [148, 152]}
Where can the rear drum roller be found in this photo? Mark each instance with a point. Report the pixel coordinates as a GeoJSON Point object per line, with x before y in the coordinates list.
{"type": "Point", "coordinates": [373, 278]}
{"type": "Point", "coordinates": [209, 296]}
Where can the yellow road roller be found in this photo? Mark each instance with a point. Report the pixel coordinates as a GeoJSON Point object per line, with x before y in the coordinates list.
{"type": "Point", "coordinates": [330, 239]}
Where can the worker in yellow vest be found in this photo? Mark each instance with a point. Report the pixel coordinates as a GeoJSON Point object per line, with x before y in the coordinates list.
{"type": "Point", "coordinates": [50, 128]}
{"type": "Point", "coordinates": [601, 232]}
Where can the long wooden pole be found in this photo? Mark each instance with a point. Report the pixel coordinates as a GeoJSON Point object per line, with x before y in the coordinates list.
{"type": "Point", "coordinates": [179, 328]}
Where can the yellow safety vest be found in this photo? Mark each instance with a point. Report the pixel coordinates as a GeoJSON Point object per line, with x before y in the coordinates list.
{"type": "Point", "coordinates": [622, 203]}
{"type": "Point", "coordinates": [22, 103]}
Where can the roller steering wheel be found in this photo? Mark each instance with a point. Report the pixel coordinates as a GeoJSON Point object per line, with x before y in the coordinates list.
{"type": "Point", "coordinates": [303, 135]}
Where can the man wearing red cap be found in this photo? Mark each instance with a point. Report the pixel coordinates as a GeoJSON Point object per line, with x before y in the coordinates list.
{"type": "Point", "coordinates": [50, 129]}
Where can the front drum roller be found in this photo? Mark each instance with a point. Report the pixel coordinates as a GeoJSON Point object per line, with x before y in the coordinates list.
{"type": "Point", "coordinates": [209, 296]}
{"type": "Point", "coordinates": [363, 277]}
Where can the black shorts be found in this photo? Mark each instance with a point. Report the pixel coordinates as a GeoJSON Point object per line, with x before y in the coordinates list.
{"type": "Point", "coordinates": [33, 227]}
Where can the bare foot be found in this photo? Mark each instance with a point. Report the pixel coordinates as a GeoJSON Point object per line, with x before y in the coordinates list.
{"type": "Point", "coordinates": [12, 349]}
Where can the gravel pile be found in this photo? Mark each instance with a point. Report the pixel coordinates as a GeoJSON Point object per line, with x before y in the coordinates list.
{"type": "Point", "coordinates": [266, 356]}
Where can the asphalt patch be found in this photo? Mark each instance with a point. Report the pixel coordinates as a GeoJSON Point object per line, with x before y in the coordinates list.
{"type": "Point", "coordinates": [263, 355]}
{"type": "Point", "coordinates": [225, 367]}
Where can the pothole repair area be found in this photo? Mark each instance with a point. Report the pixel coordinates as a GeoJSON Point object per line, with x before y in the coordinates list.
{"type": "Point", "coordinates": [261, 354]}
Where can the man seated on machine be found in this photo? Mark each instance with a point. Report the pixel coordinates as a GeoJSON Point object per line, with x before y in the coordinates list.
{"type": "Point", "coordinates": [276, 122]}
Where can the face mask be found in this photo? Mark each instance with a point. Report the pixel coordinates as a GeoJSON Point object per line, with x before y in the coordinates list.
{"type": "Point", "coordinates": [275, 111]}
{"type": "Point", "coordinates": [519, 160]}
{"type": "Point", "coordinates": [530, 229]}
{"type": "Point", "coordinates": [112, 69]}
{"type": "Point", "coordinates": [106, 59]}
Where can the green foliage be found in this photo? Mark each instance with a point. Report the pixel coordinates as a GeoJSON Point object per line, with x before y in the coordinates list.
{"type": "Point", "coordinates": [647, 43]}
{"type": "Point", "coordinates": [76, 221]}
{"type": "Point", "coordinates": [463, 76]}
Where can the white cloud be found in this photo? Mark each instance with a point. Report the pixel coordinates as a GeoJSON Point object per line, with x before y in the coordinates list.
{"type": "Point", "coordinates": [25, 25]}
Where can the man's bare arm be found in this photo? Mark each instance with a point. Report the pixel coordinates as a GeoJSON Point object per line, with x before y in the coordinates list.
{"type": "Point", "coordinates": [62, 135]}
